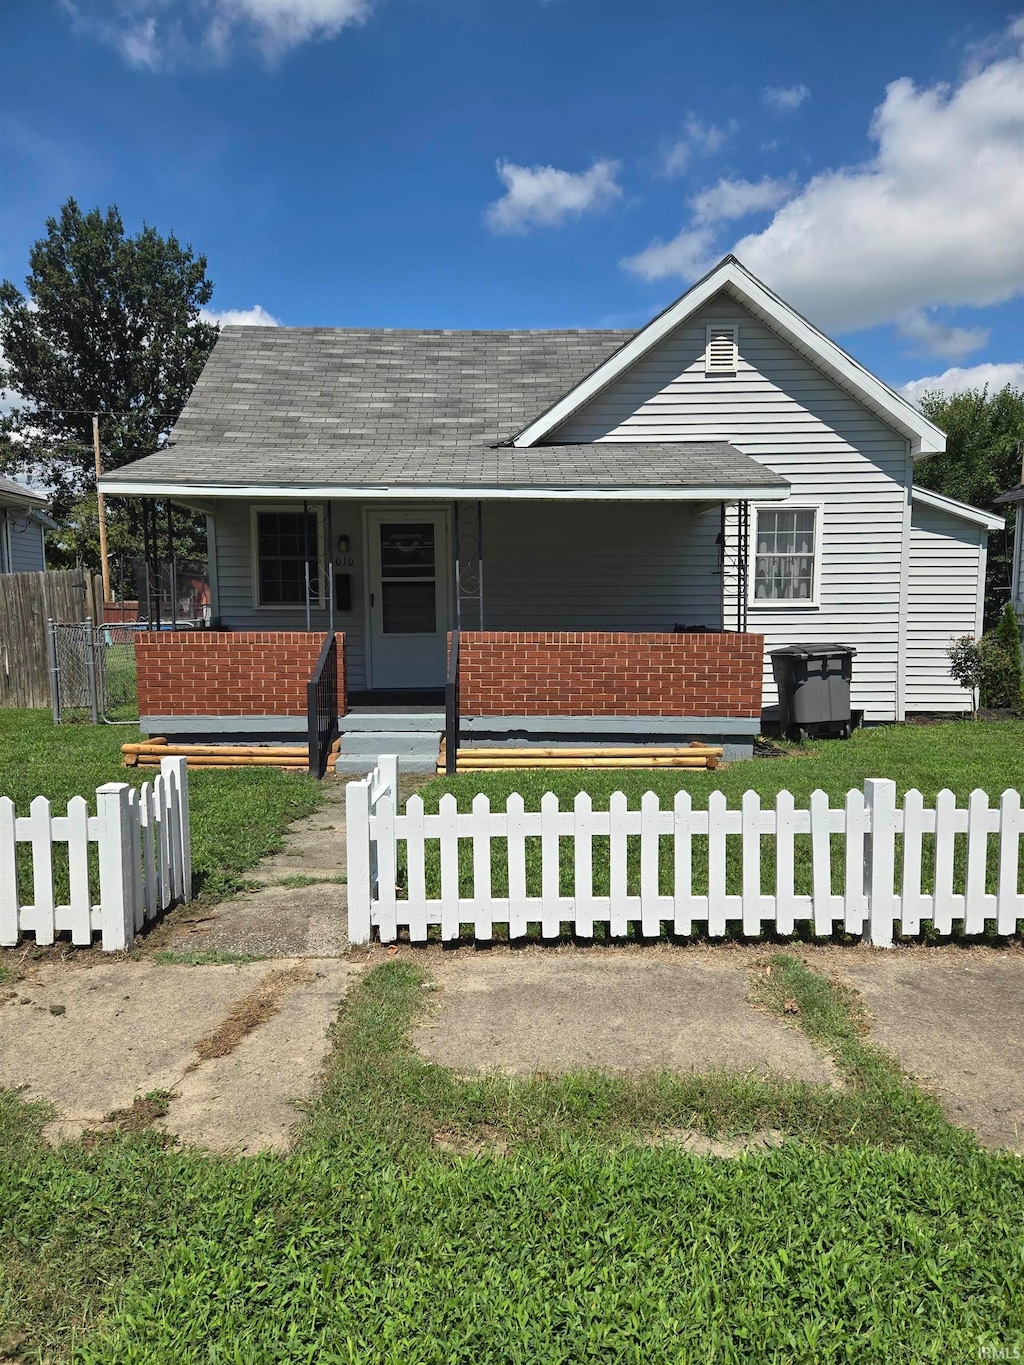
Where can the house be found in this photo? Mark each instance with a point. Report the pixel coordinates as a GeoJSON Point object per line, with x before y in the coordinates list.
{"type": "Point", "coordinates": [1016, 497]}
{"type": "Point", "coordinates": [619, 526]}
{"type": "Point", "coordinates": [23, 523]}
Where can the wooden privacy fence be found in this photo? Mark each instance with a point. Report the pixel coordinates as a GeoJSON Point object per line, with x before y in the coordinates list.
{"type": "Point", "coordinates": [117, 868]}
{"type": "Point", "coordinates": [880, 880]}
{"type": "Point", "coordinates": [27, 602]}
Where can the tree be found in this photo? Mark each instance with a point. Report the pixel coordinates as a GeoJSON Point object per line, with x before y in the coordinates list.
{"type": "Point", "coordinates": [109, 324]}
{"type": "Point", "coordinates": [984, 448]}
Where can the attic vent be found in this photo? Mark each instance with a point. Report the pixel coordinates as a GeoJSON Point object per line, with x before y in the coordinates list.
{"type": "Point", "coordinates": [720, 354]}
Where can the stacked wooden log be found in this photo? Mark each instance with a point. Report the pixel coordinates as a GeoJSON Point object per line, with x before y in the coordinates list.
{"type": "Point", "coordinates": [292, 758]}
{"type": "Point", "coordinates": [499, 759]}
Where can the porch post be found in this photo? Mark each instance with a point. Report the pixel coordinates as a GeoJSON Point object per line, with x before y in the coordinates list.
{"type": "Point", "coordinates": [480, 563]}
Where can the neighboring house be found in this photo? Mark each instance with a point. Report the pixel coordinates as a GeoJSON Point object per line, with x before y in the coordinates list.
{"type": "Point", "coordinates": [1016, 496]}
{"type": "Point", "coordinates": [620, 525]}
{"type": "Point", "coordinates": [23, 523]}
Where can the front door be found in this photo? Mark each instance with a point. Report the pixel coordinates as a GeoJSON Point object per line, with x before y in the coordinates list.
{"type": "Point", "coordinates": [408, 553]}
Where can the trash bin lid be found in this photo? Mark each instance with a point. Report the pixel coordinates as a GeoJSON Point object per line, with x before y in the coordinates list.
{"type": "Point", "coordinates": [814, 651]}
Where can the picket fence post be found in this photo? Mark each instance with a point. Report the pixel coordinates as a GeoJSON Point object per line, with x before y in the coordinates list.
{"type": "Point", "coordinates": [117, 913]}
{"type": "Point", "coordinates": [177, 770]}
{"type": "Point", "coordinates": [357, 855]}
{"type": "Point", "coordinates": [880, 860]}
{"type": "Point", "coordinates": [10, 926]}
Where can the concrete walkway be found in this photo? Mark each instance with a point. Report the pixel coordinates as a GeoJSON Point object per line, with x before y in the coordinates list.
{"type": "Point", "coordinates": [238, 1047]}
{"type": "Point", "coordinates": [650, 1010]}
{"type": "Point", "coordinates": [300, 908]}
{"type": "Point", "coordinates": [954, 1018]}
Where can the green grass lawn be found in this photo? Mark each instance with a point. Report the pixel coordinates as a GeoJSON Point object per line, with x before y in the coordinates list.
{"type": "Point", "coordinates": [237, 816]}
{"type": "Point", "coordinates": [879, 1233]}
{"type": "Point", "coordinates": [960, 755]}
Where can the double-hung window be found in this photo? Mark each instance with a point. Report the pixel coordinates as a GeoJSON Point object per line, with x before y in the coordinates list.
{"type": "Point", "coordinates": [785, 556]}
{"type": "Point", "coordinates": [288, 553]}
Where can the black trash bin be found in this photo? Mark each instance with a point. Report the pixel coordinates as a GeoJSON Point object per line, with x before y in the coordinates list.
{"type": "Point", "coordinates": [814, 688]}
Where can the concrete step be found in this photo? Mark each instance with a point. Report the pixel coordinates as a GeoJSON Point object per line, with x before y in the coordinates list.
{"type": "Point", "coordinates": [390, 742]}
{"type": "Point", "coordinates": [391, 722]}
{"type": "Point", "coordinates": [358, 765]}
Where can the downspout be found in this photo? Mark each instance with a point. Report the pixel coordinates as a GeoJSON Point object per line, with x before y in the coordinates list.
{"type": "Point", "coordinates": [903, 611]}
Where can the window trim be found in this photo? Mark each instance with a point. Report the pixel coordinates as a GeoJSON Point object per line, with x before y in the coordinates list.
{"type": "Point", "coordinates": [255, 511]}
{"type": "Point", "coordinates": [781, 603]}
{"type": "Point", "coordinates": [725, 324]}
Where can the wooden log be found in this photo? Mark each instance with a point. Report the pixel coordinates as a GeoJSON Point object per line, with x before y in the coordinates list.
{"type": "Point", "coordinates": [594, 751]}
{"type": "Point", "coordinates": [228, 760]}
{"type": "Point", "coordinates": [218, 750]}
{"type": "Point", "coordinates": [495, 765]}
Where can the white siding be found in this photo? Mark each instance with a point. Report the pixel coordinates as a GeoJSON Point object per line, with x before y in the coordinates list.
{"type": "Point", "coordinates": [780, 410]}
{"type": "Point", "coordinates": [946, 568]}
{"type": "Point", "coordinates": [24, 542]}
{"type": "Point", "coordinates": [235, 588]}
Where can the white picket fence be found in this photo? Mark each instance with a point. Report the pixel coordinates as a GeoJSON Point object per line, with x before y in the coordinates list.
{"type": "Point", "coordinates": [868, 903]}
{"type": "Point", "coordinates": [143, 861]}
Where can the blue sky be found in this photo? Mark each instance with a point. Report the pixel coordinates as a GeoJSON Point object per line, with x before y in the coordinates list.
{"type": "Point", "coordinates": [539, 163]}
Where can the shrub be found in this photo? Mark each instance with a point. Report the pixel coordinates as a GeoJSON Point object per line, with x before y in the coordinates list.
{"type": "Point", "coordinates": [965, 663]}
{"type": "Point", "coordinates": [1007, 684]}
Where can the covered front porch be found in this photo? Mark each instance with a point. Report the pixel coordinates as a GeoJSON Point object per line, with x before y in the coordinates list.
{"type": "Point", "coordinates": [538, 621]}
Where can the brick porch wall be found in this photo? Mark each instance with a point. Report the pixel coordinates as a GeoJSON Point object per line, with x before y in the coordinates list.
{"type": "Point", "coordinates": [229, 673]}
{"type": "Point", "coordinates": [609, 673]}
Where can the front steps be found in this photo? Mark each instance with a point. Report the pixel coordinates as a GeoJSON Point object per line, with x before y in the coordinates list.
{"type": "Point", "coordinates": [414, 735]}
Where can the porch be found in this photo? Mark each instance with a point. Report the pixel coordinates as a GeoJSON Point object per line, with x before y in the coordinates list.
{"type": "Point", "coordinates": [512, 688]}
{"type": "Point", "coordinates": [535, 621]}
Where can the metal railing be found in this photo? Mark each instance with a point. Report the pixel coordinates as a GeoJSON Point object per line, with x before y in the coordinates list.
{"type": "Point", "coordinates": [451, 706]}
{"type": "Point", "coordinates": [322, 705]}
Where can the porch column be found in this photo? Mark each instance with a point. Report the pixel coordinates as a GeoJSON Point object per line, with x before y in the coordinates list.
{"type": "Point", "coordinates": [468, 549]}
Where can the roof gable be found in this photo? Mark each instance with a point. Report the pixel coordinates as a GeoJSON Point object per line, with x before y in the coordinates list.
{"type": "Point", "coordinates": [732, 278]}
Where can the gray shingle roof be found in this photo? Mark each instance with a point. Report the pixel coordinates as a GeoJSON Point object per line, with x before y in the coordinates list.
{"type": "Point", "coordinates": [313, 406]}
{"type": "Point", "coordinates": [17, 492]}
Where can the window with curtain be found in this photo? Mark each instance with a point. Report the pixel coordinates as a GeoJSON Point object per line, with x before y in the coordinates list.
{"type": "Point", "coordinates": [785, 554]}
{"type": "Point", "coordinates": [285, 539]}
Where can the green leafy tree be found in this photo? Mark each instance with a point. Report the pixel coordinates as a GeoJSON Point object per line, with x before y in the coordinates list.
{"type": "Point", "coordinates": [985, 445]}
{"type": "Point", "coordinates": [108, 324]}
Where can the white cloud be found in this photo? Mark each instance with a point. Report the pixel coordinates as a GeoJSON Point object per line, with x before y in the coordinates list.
{"type": "Point", "coordinates": [736, 198]}
{"type": "Point", "coordinates": [691, 251]}
{"type": "Point", "coordinates": [153, 34]}
{"type": "Point", "coordinates": [256, 316]}
{"type": "Point", "coordinates": [544, 196]}
{"type": "Point", "coordinates": [784, 97]}
{"type": "Point", "coordinates": [953, 343]}
{"type": "Point", "coordinates": [699, 139]}
{"type": "Point", "coordinates": [934, 219]}
{"type": "Point", "coordinates": [957, 380]}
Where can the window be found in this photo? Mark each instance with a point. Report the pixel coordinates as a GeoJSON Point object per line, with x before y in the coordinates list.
{"type": "Point", "coordinates": [408, 578]}
{"type": "Point", "coordinates": [720, 348]}
{"type": "Point", "coordinates": [785, 556]}
{"type": "Point", "coordinates": [286, 542]}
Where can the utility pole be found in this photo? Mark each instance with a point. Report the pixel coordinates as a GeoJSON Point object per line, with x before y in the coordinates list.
{"type": "Point", "coordinates": [104, 562]}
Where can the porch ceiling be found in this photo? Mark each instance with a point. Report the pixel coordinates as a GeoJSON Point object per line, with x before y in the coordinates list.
{"type": "Point", "coordinates": [685, 470]}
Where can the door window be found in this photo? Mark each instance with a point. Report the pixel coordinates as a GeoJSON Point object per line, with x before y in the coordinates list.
{"type": "Point", "coordinates": [408, 578]}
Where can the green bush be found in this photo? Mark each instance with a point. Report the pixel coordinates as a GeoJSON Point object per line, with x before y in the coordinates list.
{"type": "Point", "coordinates": [1002, 677]}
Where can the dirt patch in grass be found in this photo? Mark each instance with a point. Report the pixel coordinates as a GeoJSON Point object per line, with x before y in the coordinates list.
{"type": "Point", "coordinates": [142, 1111]}
{"type": "Point", "coordinates": [693, 1140]}
{"type": "Point", "coordinates": [485, 1141]}
{"type": "Point", "coordinates": [251, 1011]}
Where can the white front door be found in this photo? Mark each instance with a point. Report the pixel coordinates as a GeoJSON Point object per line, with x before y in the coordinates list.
{"type": "Point", "coordinates": [408, 577]}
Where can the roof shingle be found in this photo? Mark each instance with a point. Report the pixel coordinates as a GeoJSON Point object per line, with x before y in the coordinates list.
{"type": "Point", "coordinates": [356, 407]}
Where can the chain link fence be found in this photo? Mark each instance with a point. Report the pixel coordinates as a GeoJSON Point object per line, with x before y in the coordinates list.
{"type": "Point", "coordinates": [92, 673]}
